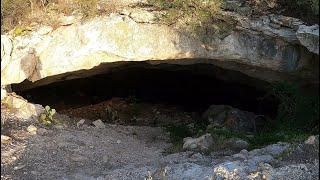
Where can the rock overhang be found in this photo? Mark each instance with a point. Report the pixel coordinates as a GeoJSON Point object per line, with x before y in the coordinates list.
{"type": "Point", "coordinates": [122, 38]}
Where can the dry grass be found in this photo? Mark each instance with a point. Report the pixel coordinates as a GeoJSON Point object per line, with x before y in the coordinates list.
{"type": "Point", "coordinates": [20, 13]}
{"type": "Point", "coordinates": [12, 13]}
{"type": "Point", "coordinates": [200, 18]}
{"type": "Point", "coordinates": [88, 8]}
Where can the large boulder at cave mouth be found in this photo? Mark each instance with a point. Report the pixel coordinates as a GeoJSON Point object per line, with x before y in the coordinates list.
{"type": "Point", "coordinates": [228, 117]}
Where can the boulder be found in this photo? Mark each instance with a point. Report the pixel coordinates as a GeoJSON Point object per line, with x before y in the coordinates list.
{"type": "Point", "coordinates": [99, 124]}
{"type": "Point", "coordinates": [229, 117]}
{"type": "Point", "coordinates": [3, 93]}
{"type": "Point", "coordinates": [272, 150]}
{"type": "Point", "coordinates": [4, 138]}
{"type": "Point", "coordinates": [42, 131]}
{"type": "Point", "coordinates": [198, 144]}
{"type": "Point", "coordinates": [6, 51]}
{"type": "Point", "coordinates": [238, 144]}
{"type": "Point", "coordinates": [32, 129]}
{"type": "Point", "coordinates": [312, 140]}
{"type": "Point", "coordinates": [309, 37]}
{"type": "Point", "coordinates": [22, 108]}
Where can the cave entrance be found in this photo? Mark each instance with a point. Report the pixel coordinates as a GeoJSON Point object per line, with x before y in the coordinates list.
{"type": "Point", "coordinates": [192, 88]}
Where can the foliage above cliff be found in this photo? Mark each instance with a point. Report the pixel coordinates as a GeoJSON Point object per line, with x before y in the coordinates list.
{"type": "Point", "coordinates": [306, 10]}
{"type": "Point", "coordinates": [23, 12]}
{"type": "Point", "coordinates": [19, 12]}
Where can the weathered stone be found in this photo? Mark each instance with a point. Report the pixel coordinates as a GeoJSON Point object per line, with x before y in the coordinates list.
{"type": "Point", "coordinates": [241, 167]}
{"type": "Point", "coordinates": [238, 156]}
{"type": "Point", "coordinates": [42, 132]}
{"type": "Point", "coordinates": [309, 37]}
{"type": "Point", "coordinates": [6, 51]}
{"type": "Point", "coordinates": [80, 122]}
{"type": "Point", "coordinates": [3, 93]}
{"type": "Point", "coordinates": [312, 140]}
{"type": "Point", "coordinates": [230, 117]}
{"type": "Point", "coordinates": [198, 144]}
{"type": "Point", "coordinates": [69, 20]}
{"type": "Point", "coordinates": [18, 167]}
{"type": "Point", "coordinates": [19, 68]}
{"type": "Point", "coordinates": [32, 129]}
{"type": "Point", "coordinates": [43, 30]}
{"type": "Point", "coordinates": [239, 144]}
{"type": "Point", "coordinates": [295, 171]}
{"type": "Point", "coordinates": [4, 138]}
{"type": "Point", "coordinates": [273, 150]}
{"type": "Point", "coordinates": [23, 109]}
{"type": "Point", "coordinates": [126, 37]}
{"type": "Point", "coordinates": [99, 124]}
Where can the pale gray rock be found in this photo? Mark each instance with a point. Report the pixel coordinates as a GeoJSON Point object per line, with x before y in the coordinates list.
{"type": "Point", "coordinates": [99, 124]}
{"type": "Point", "coordinates": [240, 144]}
{"type": "Point", "coordinates": [312, 140]}
{"type": "Point", "coordinates": [296, 172]}
{"type": "Point", "coordinates": [127, 37]}
{"type": "Point", "coordinates": [6, 51]}
{"type": "Point", "coordinates": [32, 129]}
{"type": "Point", "coordinates": [42, 131]}
{"type": "Point", "coordinates": [198, 144]}
{"type": "Point", "coordinates": [309, 37]}
{"type": "Point", "coordinates": [231, 118]}
{"type": "Point", "coordinates": [23, 109]}
{"type": "Point", "coordinates": [273, 150]}
{"type": "Point", "coordinates": [3, 93]}
{"type": "Point", "coordinates": [81, 122]}
{"type": "Point", "coordinates": [43, 30]}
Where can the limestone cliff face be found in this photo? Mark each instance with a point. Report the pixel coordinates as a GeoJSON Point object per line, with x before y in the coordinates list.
{"type": "Point", "coordinates": [276, 43]}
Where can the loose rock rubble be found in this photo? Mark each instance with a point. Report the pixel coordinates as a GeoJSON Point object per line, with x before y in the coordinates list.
{"type": "Point", "coordinates": [101, 150]}
{"type": "Point", "coordinates": [136, 152]}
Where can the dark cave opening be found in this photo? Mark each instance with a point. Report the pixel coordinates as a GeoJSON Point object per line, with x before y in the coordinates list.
{"type": "Point", "coordinates": [183, 88]}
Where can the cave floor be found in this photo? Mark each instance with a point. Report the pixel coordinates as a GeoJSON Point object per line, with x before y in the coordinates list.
{"type": "Point", "coordinates": [128, 111]}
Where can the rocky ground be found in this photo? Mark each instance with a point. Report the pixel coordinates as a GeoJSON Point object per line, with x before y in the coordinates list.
{"type": "Point", "coordinates": [100, 150]}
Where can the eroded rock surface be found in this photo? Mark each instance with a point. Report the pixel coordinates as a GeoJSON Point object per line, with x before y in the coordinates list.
{"type": "Point", "coordinates": [272, 42]}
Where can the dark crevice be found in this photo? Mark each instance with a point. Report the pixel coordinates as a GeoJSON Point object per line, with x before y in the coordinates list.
{"type": "Point", "coordinates": [184, 88]}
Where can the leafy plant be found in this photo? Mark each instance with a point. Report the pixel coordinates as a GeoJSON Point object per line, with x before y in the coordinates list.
{"type": "Point", "coordinates": [46, 117]}
{"type": "Point", "coordinates": [265, 138]}
{"type": "Point", "coordinates": [296, 110]}
{"type": "Point", "coordinates": [20, 31]}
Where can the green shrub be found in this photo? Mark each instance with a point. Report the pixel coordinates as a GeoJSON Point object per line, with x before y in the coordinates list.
{"type": "Point", "coordinates": [296, 110]}
{"type": "Point", "coordinates": [315, 6]}
{"type": "Point", "coordinates": [46, 117]}
{"type": "Point", "coordinates": [302, 7]}
{"type": "Point", "coordinates": [311, 6]}
{"type": "Point", "coordinates": [201, 16]}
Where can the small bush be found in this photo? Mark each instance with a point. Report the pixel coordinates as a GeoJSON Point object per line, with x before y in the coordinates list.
{"type": "Point", "coordinates": [202, 16]}
{"type": "Point", "coordinates": [310, 6]}
{"type": "Point", "coordinates": [16, 13]}
{"type": "Point", "coordinates": [296, 110]}
{"type": "Point", "coordinates": [88, 7]}
{"type": "Point", "coordinates": [13, 12]}
{"type": "Point", "coordinates": [306, 10]}
{"type": "Point", "coordinates": [47, 117]}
